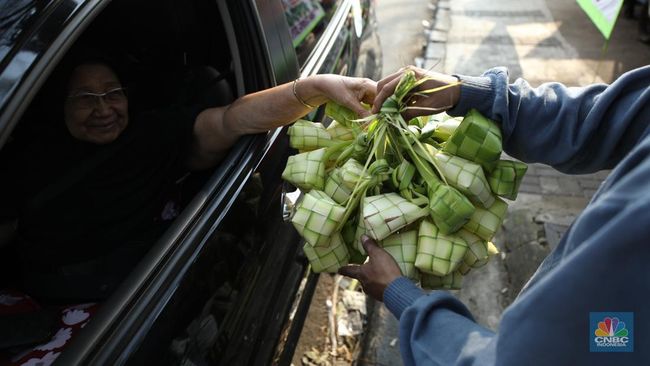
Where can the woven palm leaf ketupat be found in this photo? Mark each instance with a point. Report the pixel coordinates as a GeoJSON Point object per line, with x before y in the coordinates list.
{"type": "Point", "coordinates": [360, 230]}
{"type": "Point", "coordinates": [437, 253]}
{"type": "Point", "coordinates": [464, 268]}
{"type": "Point", "coordinates": [307, 136]}
{"type": "Point", "coordinates": [486, 222]}
{"type": "Point", "coordinates": [352, 172]}
{"type": "Point", "coordinates": [450, 210]}
{"type": "Point", "coordinates": [506, 177]}
{"type": "Point", "coordinates": [339, 132]}
{"type": "Point", "coordinates": [403, 247]}
{"type": "Point", "coordinates": [386, 213]}
{"type": "Point", "coordinates": [328, 258]}
{"type": "Point", "coordinates": [316, 217]}
{"type": "Point", "coordinates": [452, 281]}
{"type": "Point", "coordinates": [306, 170]}
{"type": "Point", "coordinates": [477, 251]}
{"type": "Point", "coordinates": [403, 175]}
{"type": "Point", "coordinates": [419, 188]}
{"type": "Point", "coordinates": [335, 188]}
{"type": "Point", "coordinates": [476, 139]}
{"type": "Point", "coordinates": [340, 114]}
{"type": "Point", "coordinates": [445, 128]}
{"type": "Point", "coordinates": [467, 177]}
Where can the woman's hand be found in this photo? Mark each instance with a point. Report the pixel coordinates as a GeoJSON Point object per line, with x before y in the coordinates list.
{"type": "Point", "coordinates": [377, 273]}
{"type": "Point", "coordinates": [217, 129]}
{"type": "Point", "coordinates": [435, 102]}
{"type": "Point", "coordinates": [346, 91]}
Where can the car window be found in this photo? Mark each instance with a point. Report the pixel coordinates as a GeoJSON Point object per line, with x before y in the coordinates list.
{"type": "Point", "coordinates": [307, 20]}
{"type": "Point", "coordinates": [77, 213]}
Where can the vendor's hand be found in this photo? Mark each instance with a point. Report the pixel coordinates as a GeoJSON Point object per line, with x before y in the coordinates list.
{"type": "Point", "coordinates": [377, 273]}
{"type": "Point", "coordinates": [344, 90]}
{"type": "Point", "coordinates": [436, 102]}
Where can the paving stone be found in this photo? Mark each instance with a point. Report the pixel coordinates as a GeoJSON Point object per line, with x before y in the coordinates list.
{"type": "Point", "coordinates": [589, 193]}
{"type": "Point", "coordinates": [435, 64]}
{"type": "Point", "coordinates": [554, 233]}
{"type": "Point", "coordinates": [532, 169]}
{"type": "Point", "coordinates": [530, 188]}
{"type": "Point", "coordinates": [521, 263]}
{"type": "Point", "coordinates": [570, 186]}
{"type": "Point", "coordinates": [379, 348]}
{"type": "Point", "coordinates": [418, 62]}
{"type": "Point", "coordinates": [548, 171]}
{"type": "Point", "coordinates": [557, 218]}
{"type": "Point", "coordinates": [530, 179]}
{"type": "Point", "coordinates": [437, 36]}
{"type": "Point", "coordinates": [603, 174]}
{"type": "Point", "coordinates": [481, 292]}
{"type": "Point", "coordinates": [435, 50]}
{"type": "Point", "coordinates": [550, 185]}
{"type": "Point", "coordinates": [590, 183]}
{"type": "Point", "coordinates": [518, 228]}
{"type": "Point", "coordinates": [443, 20]}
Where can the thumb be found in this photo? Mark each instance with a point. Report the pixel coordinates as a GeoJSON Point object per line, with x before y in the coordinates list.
{"type": "Point", "coordinates": [350, 271]}
{"type": "Point", "coordinates": [357, 108]}
{"type": "Point", "coordinates": [368, 244]}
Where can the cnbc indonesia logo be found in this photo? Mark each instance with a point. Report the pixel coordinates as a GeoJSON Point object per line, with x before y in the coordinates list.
{"type": "Point", "coordinates": [612, 333]}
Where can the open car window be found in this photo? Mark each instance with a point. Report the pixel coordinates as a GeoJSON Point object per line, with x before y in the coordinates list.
{"type": "Point", "coordinates": [170, 53]}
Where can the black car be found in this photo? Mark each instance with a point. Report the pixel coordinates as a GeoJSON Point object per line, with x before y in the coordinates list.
{"type": "Point", "coordinates": [227, 282]}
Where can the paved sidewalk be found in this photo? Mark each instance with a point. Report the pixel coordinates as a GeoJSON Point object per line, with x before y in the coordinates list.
{"type": "Point", "coordinates": [540, 40]}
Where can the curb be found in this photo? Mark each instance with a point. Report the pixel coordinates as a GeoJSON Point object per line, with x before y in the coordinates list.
{"type": "Point", "coordinates": [433, 57]}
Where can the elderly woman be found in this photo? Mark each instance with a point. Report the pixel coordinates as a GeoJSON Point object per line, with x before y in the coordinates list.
{"type": "Point", "coordinates": [87, 214]}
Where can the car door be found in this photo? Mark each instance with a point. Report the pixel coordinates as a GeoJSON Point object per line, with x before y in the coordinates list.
{"type": "Point", "coordinates": [255, 317]}
{"type": "Point", "coordinates": [162, 293]}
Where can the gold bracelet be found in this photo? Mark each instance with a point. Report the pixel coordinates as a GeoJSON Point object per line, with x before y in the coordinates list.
{"type": "Point", "coordinates": [295, 93]}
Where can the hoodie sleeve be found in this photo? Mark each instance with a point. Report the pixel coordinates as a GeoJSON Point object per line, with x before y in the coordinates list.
{"type": "Point", "coordinates": [575, 130]}
{"type": "Point", "coordinates": [436, 328]}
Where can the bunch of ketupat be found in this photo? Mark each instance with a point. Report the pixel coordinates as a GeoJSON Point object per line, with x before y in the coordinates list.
{"type": "Point", "coordinates": [426, 190]}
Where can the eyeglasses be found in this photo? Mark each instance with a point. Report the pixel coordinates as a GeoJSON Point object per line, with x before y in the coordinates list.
{"type": "Point", "coordinates": [89, 100]}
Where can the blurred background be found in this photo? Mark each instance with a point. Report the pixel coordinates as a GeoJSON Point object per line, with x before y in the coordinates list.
{"type": "Point", "coordinates": [539, 40]}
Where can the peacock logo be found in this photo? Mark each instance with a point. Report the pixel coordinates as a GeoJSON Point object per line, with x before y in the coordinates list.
{"type": "Point", "coordinates": [611, 327]}
{"type": "Point", "coordinates": [611, 332]}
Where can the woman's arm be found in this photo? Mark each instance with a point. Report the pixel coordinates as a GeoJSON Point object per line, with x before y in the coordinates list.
{"type": "Point", "coordinates": [217, 129]}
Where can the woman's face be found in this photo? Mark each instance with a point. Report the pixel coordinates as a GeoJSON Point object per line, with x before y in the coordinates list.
{"type": "Point", "coordinates": [92, 118]}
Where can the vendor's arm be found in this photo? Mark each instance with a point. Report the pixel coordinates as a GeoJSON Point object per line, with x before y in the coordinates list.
{"type": "Point", "coordinates": [576, 130]}
{"type": "Point", "coordinates": [434, 329]}
{"type": "Point", "coordinates": [217, 129]}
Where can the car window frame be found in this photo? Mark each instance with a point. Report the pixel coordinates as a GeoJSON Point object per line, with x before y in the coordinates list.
{"type": "Point", "coordinates": [127, 316]}
{"type": "Point", "coordinates": [316, 59]}
{"type": "Point", "coordinates": [100, 342]}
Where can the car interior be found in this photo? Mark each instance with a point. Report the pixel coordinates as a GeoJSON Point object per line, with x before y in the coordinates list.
{"type": "Point", "coordinates": [170, 52]}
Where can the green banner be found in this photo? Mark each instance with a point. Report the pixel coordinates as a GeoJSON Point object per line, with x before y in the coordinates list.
{"type": "Point", "coordinates": [603, 13]}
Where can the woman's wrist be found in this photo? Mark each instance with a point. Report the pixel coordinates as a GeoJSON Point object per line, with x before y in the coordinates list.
{"type": "Point", "coordinates": [311, 90]}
